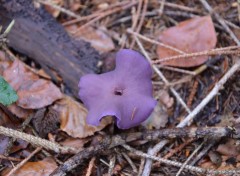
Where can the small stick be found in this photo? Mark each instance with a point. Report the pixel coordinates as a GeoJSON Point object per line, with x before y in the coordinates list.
{"type": "Point", "coordinates": [221, 21]}
{"type": "Point", "coordinates": [202, 53]}
{"type": "Point", "coordinates": [130, 162]}
{"type": "Point", "coordinates": [162, 76]}
{"type": "Point", "coordinates": [189, 158]}
{"type": "Point", "coordinates": [90, 166]}
{"type": "Point", "coordinates": [111, 165]}
{"type": "Point", "coordinates": [177, 70]}
{"type": "Point", "coordinates": [104, 15]}
{"type": "Point", "coordinates": [154, 41]}
{"type": "Point", "coordinates": [135, 20]}
{"type": "Point", "coordinates": [181, 7]}
{"type": "Point", "coordinates": [178, 164]}
{"type": "Point", "coordinates": [9, 158]}
{"type": "Point", "coordinates": [61, 9]}
{"type": "Point", "coordinates": [95, 14]}
{"type": "Point", "coordinates": [140, 170]}
{"type": "Point", "coordinates": [212, 94]}
{"type": "Point", "coordinates": [141, 21]}
{"type": "Point", "coordinates": [36, 140]}
{"type": "Point", "coordinates": [192, 93]}
{"type": "Point", "coordinates": [210, 144]}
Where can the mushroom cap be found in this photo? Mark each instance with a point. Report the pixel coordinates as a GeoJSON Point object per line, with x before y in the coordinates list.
{"type": "Point", "coordinates": [125, 93]}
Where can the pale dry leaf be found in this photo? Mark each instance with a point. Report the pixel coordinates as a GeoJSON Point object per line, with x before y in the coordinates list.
{"type": "Point", "coordinates": [33, 92]}
{"type": "Point", "coordinates": [97, 37]}
{"type": "Point", "coordinates": [158, 119]}
{"type": "Point", "coordinates": [165, 99]}
{"type": "Point", "coordinates": [39, 168]}
{"type": "Point", "coordinates": [73, 118]}
{"type": "Point", "coordinates": [194, 35]}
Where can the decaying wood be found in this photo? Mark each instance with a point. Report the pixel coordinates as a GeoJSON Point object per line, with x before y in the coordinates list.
{"type": "Point", "coordinates": [37, 35]}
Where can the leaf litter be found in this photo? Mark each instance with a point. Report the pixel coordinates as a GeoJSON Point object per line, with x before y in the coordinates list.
{"type": "Point", "coordinates": [183, 32]}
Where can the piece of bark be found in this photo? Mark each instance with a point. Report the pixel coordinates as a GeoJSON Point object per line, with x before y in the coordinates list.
{"type": "Point", "coordinates": [37, 35]}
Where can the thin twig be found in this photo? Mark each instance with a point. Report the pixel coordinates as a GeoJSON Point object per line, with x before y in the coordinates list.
{"type": "Point", "coordinates": [104, 15]}
{"type": "Point", "coordinates": [219, 85]}
{"type": "Point", "coordinates": [95, 14]}
{"type": "Point", "coordinates": [24, 161]}
{"type": "Point", "coordinates": [189, 158]}
{"type": "Point", "coordinates": [153, 151]}
{"type": "Point", "coordinates": [140, 170]}
{"type": "Point", "coordinates": [218, 51]}
{"type": "Point", "coordinates": [135, 18]}
{"type": "Point", "coordinates": [210, 143]}
{"type": "Point", "coordinates": [162, 5]}
{"type": "Point", "coordinates": [90, 166]}
{"type": "Point", "coordinates": [181, 7]}
{"type": "Point", "coordinates": [36, 141]}
{"type": "Point", "coordinates": [162, 76]}
{"type": "Point", "coordinates": [173, 151]}
{"type": "Point", "coordinates": [178, 164]}
{"type": "Point", "coordinates": [134, 168]}
{"type": "Point", "coordinates": [177, 70]}
{"type": "Point", "coordinates": [154, 41]}
{"type": "Point", "coordinates": [221, 21]}
{"type": "Point", "coordinates": [9, 158]}
{"type": "Point", "coordinates": [141, 20]}
{"type": "Point", "coordinates": [194, 89]}
{"type": "Point", "coordinates": [111, 165]}
{"type": "Point", "coordinates": [61, 9]}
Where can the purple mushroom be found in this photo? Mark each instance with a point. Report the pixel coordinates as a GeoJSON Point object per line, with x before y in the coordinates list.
{"type": "Point", "coordinates": [125, 93]}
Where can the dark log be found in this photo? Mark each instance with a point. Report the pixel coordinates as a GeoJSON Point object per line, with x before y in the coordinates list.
{"type": "Point", "coordinates": [37, 35]}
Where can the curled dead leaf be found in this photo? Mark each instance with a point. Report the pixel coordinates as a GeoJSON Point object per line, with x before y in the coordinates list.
{"type": "Point", "coordinates": [33, 92]}
{"type": "Point", "coordinates": [194, 35]}
{"type": "Point", "coordinates": [73, 118]}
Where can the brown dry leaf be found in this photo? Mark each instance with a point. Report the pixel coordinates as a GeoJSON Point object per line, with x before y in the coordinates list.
{"type": "Point", "coordinates": [73, 118]}
{"type": "Point", "coordinates": [97, 37]}
{"type": "Point", "coordinates": [194, 35]}
{"type": "Point", "coordinates": [75, 143]}
{"type": "Point", "coordinates": [38, 168]}
{"type": "Point", "coordinates": [229, 148]}
{"type": "Point", "coordinates": [20, 112]}
{"type": "Point", "coordinates": [207, 165]}
{"type": "Point", "coordinates": [33, 92]}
